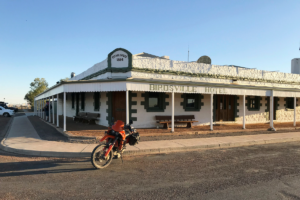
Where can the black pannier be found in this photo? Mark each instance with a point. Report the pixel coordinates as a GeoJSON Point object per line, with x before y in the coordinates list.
{"type": "Point", "coordinates": [134, 138]}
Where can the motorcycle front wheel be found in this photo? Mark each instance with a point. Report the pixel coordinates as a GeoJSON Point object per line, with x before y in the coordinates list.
{"type": "Point", "coordinates": [98, 160]}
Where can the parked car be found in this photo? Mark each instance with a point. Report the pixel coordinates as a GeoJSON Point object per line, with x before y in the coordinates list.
{"type": "Point", "coordinates": [3, 104]}
{"type": "Point", "coordinates": [6, 112]}
{"type": "Point", "coordinates": [13, 108]}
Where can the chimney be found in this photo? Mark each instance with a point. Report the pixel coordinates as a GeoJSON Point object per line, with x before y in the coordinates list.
{"type": "Point", "coordinates": [166, 57]}
{"type": "Point", "coordinates": [72, 74]}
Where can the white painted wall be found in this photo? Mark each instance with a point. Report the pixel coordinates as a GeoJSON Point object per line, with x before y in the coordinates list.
{"type": "Point", "coordinates": [89, 106]}
{"type": "Point", "coordinates": [147, 119]}
{"type": "Point", "coordinates": [95, 68]}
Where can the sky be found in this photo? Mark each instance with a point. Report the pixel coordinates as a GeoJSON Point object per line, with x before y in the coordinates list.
{"type": "Point", "coordinates": [51, 39]}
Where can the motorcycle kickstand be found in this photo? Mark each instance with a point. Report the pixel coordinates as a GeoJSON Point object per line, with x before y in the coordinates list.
{"type": "Point", "coordinates": [121, 157]}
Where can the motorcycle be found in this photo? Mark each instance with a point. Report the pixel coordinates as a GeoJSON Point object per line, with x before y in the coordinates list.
{"type": "Point", "coordinates": [116, 138]}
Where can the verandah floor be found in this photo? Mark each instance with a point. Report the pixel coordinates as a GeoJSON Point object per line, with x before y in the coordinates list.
{"type": "Point", "coordinates": [84, 129]}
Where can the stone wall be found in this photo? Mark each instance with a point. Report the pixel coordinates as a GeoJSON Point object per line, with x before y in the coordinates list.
{"type": "Point", "coordinates": [286, 115]}
{"type": "Point", "coordinates": [252, 116]}
{"type": "Point", "coordinates": [180, 66]}
{"type": "Point", "coordinates": [195, 68]}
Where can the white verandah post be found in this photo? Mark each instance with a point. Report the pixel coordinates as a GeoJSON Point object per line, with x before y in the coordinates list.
{"type": "Point", "coordinates": [271, 110]}
{"type": "Point", "coordinates": [295, 99]}
{"type": "Point", "coordinates": [172, 112]}
{"type": "Point", "coordinates": [57, 111]}
{"type": "Point", "coordinates": [49, 117]}
{"type": "Point", "coordinates": [211, 111]}
{"type": "Point", "coordinates": [43, 111]}
{"type": "Point", "coordinates": [127, 106]}
{"type": "Point", "coordinates": [65, 112]}
{"type": "Point", "coordinates": [53, 121]}
{"type": "Point", "coordinates": [244, 113]}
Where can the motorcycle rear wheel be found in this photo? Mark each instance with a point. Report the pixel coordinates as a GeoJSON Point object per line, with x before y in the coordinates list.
{"type": "Point", "coordinates": [97, 157]}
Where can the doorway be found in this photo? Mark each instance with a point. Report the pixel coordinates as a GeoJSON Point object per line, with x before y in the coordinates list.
{"type": "Point", "coordinates": [119, 106]}
{"type": "Point", "coordinates": [224, 108]}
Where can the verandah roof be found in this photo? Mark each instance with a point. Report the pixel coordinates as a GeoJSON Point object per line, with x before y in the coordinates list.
{"type": "Point", "coordinates": [166, 86]}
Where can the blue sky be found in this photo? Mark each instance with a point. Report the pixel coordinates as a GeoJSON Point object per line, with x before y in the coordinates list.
{"type": "Point", "coordinates": [51, 39]}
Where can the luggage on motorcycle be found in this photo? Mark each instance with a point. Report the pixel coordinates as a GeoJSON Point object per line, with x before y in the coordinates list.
{"type": "Point", "coordinates": [134, 139]}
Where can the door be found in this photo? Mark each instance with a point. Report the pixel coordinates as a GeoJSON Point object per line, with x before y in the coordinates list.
{"type": "Point", "coordinates": [225, 108]}
{"type": "Point", "coordinates": [119, 106]}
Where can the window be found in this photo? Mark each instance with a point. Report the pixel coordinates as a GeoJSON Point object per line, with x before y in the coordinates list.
{"type": "Point", "coordinates": [155, 101]}
{"type": "Point", "coordinates": [96, 101]}
{"type": "Point", "coordinates": [191, 102]}
{"type": "Point", "coordinates": [289, 103]}
{"type": "Point", "coordinates": [253, 103]}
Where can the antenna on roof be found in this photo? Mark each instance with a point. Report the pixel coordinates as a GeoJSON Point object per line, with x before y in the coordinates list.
{"type": "Point", "coordinates": [189, 53]}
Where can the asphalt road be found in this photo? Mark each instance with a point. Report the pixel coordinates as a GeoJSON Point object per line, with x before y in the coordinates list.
{"type": "Point", "coordinates": [254, 172]}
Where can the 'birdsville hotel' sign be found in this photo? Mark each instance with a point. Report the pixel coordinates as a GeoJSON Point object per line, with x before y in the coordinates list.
{"type": "Point", "coordinates": [186, 89]}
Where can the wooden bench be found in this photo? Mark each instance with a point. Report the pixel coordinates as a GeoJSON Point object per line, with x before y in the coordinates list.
{"type": "Point", "coordinates": [80, 116]}
{"type": "Point", "coordinates": [166, 120]}
{"type": "Point", "coordinates": [91, 117]}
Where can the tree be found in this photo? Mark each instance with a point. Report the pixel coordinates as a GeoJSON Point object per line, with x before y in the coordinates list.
{"type": "Point", "coordinates": [64, 79]}
{"type": "Point", "coordinates": [36, 87]}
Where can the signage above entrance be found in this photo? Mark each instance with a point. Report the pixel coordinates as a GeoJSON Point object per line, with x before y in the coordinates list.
{"type": "Point", "coordinates": [186, 89]}
{"type": "Point", "coordinates": [119, 59]}
{"type": "Point", "coordinates": [152, 87]}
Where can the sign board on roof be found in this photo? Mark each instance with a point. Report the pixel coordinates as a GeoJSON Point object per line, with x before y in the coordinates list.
{"type": "Point", "coordinates": [119, 59]}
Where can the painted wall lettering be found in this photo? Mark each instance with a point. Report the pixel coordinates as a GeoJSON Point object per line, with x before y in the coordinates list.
{"type": "Point", "coordinates": [171, 88]}
{"type": "Point", "coordinates": [215, 90]}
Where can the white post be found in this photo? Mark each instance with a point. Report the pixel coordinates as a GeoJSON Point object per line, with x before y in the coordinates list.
{"type": "Point", "coordinates": [43, 108]}
{"type": "Point", "coordinates": [271, 110]}
{"type": "Point", "coordinates": [127, 107]}
{"type": "Point", "coordinates": [295, 99]}
{"type": "Point", "coordinates": [211, 111]}
{"type": "Point", "coordinates": [40, 106]}
{"type": "Point", "coordinates": [173, 112]}
{"type": "Point", "coordinates": [244, 113]}
{"type": "Point", "coordinates": [53, 121]}
{"type": "Point", "coordinates": [49, 112]}
{"type": "Point", "coordinates": [65, 112]}
{"type": "Point", "coordinates": [57, 111]}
